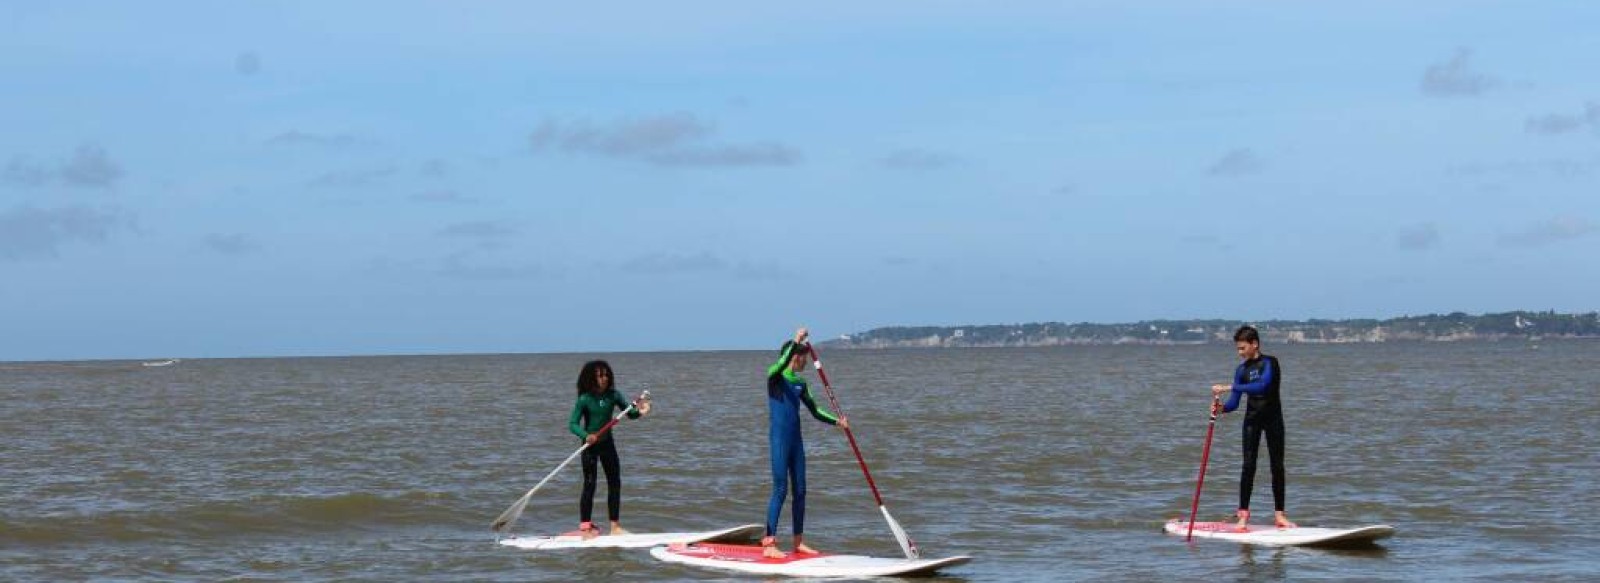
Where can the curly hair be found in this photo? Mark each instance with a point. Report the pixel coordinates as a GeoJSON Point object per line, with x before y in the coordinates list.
{"type": "Point", "coordinates": [589, 377]}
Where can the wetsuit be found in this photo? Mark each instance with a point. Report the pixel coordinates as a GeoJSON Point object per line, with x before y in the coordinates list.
{"type": "Point", "coordinates": [786, 392]}
{"type": "Point", "coordinates": [589, 414]}
{"type": "Point", "coordinates": [1257, 381]}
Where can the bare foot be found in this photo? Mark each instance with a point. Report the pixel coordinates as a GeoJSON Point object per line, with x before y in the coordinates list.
{"type": "Point", "coordinates": [769, 548]}
{"type": "Point", "coordinates": [1244, 521]}
{"type": "Point", "coordinates": [805, 549]}
{"type": "Point", "coordinates": [1282, 520]}
{"type": "Point", "coordinates": [588, 531]}
{"type": "Point", "coordinates": [617, 530]}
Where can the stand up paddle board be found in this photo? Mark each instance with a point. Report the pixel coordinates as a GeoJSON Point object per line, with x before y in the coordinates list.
{"type": "Point", "coordinates": [1274, 536]}
{"type": "Point", "coordinates": [575, 540]}
{"type": "Point", "coordinates": [748, 559]}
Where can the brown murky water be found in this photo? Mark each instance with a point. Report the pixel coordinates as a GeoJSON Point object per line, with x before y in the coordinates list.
{"type": "Point", "coordinates": [1044, 464]}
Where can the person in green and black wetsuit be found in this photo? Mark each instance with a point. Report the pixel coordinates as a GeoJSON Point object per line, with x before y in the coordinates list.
{"type": "Point", "coordinates": [786, 392]}
{"type": "Point", "coordinates": [598, 399]}
{"type": "Point", "coordinates": [1257, 379]}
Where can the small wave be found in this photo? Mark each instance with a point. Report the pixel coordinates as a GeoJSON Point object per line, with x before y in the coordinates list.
{"type": "Point", "coordinates": [262, 515]}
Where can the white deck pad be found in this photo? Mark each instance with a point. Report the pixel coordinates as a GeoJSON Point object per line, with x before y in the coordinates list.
{"type": "Point", "coordinates": [573, 540]}
{"type": "Point", "coordinates": [1274, 536]}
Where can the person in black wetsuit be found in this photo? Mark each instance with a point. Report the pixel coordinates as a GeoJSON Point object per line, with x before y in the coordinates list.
{"type": "Point", "coordinates": [1257, 380]}
{"type": "Point", "coordinates": [598, 399]}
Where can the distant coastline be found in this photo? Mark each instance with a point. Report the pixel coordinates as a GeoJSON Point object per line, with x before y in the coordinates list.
{"type": "Point", "coordinates": [1453, 327]}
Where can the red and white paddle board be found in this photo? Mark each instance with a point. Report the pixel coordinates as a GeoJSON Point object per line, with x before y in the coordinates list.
{"type": "Point", "coordinates": [1274, 536]}
{"type": "Point", "coordinates": [748, 559]}
{"type": "Point", "coordinates": [575, 540]}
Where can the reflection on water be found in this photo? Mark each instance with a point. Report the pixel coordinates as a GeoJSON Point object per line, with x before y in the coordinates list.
{"type": "Point", "coordinates": [1262, 562]}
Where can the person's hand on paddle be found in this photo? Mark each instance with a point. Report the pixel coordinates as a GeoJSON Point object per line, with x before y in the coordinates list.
{"type": "Point", "coordinates": [1218, 390]}
{"type": "Point", "coordinates": [644, 408]}
{"type": "Point", "coordinates": [593, 437]}
{"type": "Point", "coordinates": [801, 335]}
{"type": "Point", "coordinates": [844, 423]}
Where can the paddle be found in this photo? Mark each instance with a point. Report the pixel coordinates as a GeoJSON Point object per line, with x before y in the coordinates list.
{"type": "Point", "coordinates": [1205, 455]}
{"type": "Point", "coordinates": [906, 544]}
{"type": "Point", "coordinates": [504, 521]}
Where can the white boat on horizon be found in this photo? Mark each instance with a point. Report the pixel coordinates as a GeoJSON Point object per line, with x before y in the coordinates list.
{"type": "Point", "coordinates": [167, 362]}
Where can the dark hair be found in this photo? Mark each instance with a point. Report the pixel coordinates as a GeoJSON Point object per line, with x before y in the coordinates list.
{"type": "Point", "coordinates": [1247, 334]}
{"type": "Point", "coordinates": [588, 378]}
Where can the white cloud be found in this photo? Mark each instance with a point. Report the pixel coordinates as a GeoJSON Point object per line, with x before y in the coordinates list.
{"type": "Point", "coordinates": [1556, 230]}
{"type": "Point", "coordinates": [677, 139]}
{"type": "Point", "coordinates": [89, 167]}
{"type": "Point", "coordinates": [1455, 78]}
{"type": "Point", "coordinates": [28, 232]}
{"type": "Point", "coordinates": [1237, 162]}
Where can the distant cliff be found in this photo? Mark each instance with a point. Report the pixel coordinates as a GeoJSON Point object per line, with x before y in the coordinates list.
{"type": "Point", "coordinates": [1434, 327]}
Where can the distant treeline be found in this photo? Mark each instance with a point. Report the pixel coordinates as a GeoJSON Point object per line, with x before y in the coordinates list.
{"type": "Point", "coordinates": [1433, 327]}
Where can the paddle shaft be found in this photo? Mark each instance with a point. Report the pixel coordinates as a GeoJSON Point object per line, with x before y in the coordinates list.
{"type": "Point", "coordinates": [511, 514]}
{"type": "Point", "coordinates": [834, 400]}
{"type": "Point", "coordinates": [1205, 456]}
{"type": "Point", "coordinates": [906, 544]}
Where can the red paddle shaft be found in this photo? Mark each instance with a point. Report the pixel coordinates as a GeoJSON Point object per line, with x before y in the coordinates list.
{"type": "Point", "coordinates": [1205, 455]}
{"type": "Point", "coordinates": [847, 432]}
{"type": "Point", "coordinates": [906, 544]}
{"type": "Point", "coordinates": [645, 396]}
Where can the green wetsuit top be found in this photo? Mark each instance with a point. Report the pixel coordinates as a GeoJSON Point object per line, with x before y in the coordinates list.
{"type": "Point", "coordinates": [592, 412]}
{"type": "Point", "coordinates": [786, 392]}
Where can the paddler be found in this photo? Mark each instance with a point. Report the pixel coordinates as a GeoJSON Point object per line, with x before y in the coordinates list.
{"type": "Point", "coordinates": [1256, 380]}
{"type": "Point", "coordinates": [598, 399]}
{"type": "Point", "coordinates": [786, 392]}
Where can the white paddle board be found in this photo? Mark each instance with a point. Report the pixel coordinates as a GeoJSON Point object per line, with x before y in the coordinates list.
{"type": "Point", "coordinates": [1274, 536]}
{"type": "Point", "coordinates": [748, 559]}
{"type": "Point", "coordinates": [574, 540]}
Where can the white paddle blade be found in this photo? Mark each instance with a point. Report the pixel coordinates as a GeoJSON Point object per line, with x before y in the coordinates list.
{"type": "Point", "coordinates": [503, 522]}
{"type": "Point", "coordinates": [907, 546]}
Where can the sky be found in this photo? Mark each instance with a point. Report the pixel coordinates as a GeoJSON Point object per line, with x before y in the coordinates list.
{"type": "Point", "coordinates": [205, 179]}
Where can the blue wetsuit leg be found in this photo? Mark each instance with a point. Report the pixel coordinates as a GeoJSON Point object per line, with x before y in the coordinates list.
{"type": "Point", "coordinates": [782, 456]}
{"type": "Point", "coordinates": [797, 471]}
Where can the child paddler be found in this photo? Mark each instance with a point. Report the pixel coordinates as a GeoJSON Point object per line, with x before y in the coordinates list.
{"type": "Point", "coordinates": [786, 392]}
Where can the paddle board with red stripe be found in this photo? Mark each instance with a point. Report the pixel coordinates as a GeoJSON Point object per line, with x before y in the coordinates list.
{"type": "Point", "coordinates": [1257, 534]}
{"type": "Point", "coordinates": [575, 540]}
{"type": "Point", "coordinates": [748, 559]}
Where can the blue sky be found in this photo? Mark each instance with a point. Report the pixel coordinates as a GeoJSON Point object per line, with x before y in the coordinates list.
{"type": "Point", "coordinates": [303, 178]}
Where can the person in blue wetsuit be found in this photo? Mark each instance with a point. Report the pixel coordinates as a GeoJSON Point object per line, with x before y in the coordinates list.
{"type": "Point", "coordinates": [1256, 381]}
{"type": "Point", "coordinates": [787, 391]}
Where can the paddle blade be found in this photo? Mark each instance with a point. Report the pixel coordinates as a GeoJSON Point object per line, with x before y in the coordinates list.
{"type": "Point", "coordinates": [907, 546]}
{"type": "Point", "coordinates": [504, 521]}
